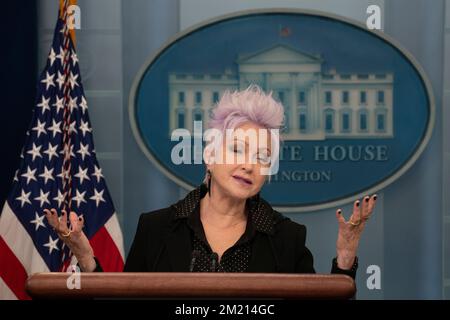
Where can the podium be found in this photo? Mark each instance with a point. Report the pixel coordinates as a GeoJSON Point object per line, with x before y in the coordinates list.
{"type": "Point", "coordinates": [153, 285]}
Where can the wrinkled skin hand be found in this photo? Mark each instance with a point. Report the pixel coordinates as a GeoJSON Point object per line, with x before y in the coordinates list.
{"type": "Point", "coordinates": [350, 231]}
{"type": "Point", "coordinates": [73, 237]}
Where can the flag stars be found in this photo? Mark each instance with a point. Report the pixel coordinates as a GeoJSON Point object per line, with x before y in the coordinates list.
{"type": "Point", "coordinates": [44, 104]}
{"type": "Point", "coordinates": [74, 58]}
{"type": "Point", "coordinates": [66, 149]}
{"type": "Point", "coordinates": [82, 174]}
{"type": "Point", "coordinates": [97, 173]}
{"type": "Point", "coordinates": [61, 55]}
{"type": "Point", "coordinates": [83, 104]}
{"type": "Point", "coordinates": [47, 175]}
{"type": "Point", "coordinates": [43, 197]}
{"type": "Point", "coordinates": [59, 104]}
{"type": "Point", "coordinates": [35, 151]}
{"type": "Point", "coordinates": [64, 175]}
{"type": "Point", "coordinates": [38, 221]}
{"type": "Point", "coordinates": [72, 127]}
{"type": "Point", "coordinates": [24, 198]}
{"type": "Point", "coordinates": [52, 56]}
{"type": "Point", "coordinates": [29, 175]}
{"type": "Point", "coordinates": [84, 127]}
{"type": "Point", "coordinates": [51, 151]}
{"type": "Point", "coordinates": [40, 187]}
{"type": "Point", "coordinates": [55, 128]}
{"type": "Point", "coordinates": [79, 198]}
{"type": "Point", "coordinates": [40, 128]}
{"type": "Point", "coordinates": [84, 150]}
{"type": "Point", "coordinates": [51, 244]}
{"type": "Point", "coordinates": [60, 79]}
{"type": "Point", "coordinates": [98, 197]}
{"type": "Point", "coordinates": [59, 198]}
{"type": "Point", "coordinates": [72, 103]}
{"type": "Point", "coordinates": [73, 80]}
{"type": "Point", "coordinates": [48, 80]}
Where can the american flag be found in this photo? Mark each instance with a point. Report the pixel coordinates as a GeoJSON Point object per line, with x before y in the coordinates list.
{"type": "Point", "coordinates": [58, 169]}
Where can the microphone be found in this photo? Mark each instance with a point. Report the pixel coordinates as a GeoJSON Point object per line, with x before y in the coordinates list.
{"type": "Point", "coordinates": [195, 255]}
{"type": "Point", "coordinates": [214, 261]}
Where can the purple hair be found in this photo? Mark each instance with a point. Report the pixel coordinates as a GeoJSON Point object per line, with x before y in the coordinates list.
{"type": "Point", "coordinates": [251, 104]}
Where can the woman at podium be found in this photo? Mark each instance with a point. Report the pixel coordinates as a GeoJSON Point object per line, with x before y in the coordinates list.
{"type": "Point", "coordinates": [224, 225]}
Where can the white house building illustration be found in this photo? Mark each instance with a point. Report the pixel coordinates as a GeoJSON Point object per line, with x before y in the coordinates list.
{"type": "Point", "coordinates": [318, 105]}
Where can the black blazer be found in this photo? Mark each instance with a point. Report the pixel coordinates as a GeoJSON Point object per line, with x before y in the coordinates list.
{"type": "Point", "coordinates": [163, 243]}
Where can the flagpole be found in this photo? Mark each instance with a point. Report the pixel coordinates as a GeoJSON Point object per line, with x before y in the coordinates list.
{"type": "Point", "coordinates": [67, 177]}
{"type": "Point", "coordinates": [67, 146]}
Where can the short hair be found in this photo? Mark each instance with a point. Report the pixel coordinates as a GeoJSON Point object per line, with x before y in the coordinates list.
{"type": "Point", "coordinates": [249, 105]}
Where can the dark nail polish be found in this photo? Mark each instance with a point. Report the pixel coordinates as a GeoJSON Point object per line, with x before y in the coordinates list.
{"type": "Point", "coordinates": [357, 203]}
{"type": "Point", "coordinates": [339, 211]}
{"type": "Point", "coordinates": [374, 197]}
{"type": "Point", "coordinates": [79, 219]}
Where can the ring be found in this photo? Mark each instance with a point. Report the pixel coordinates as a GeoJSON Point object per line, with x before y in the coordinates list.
{"type": "Point", "coordinates": [354, 224]}
{"type": "Point", "coordinates": [66, 235]}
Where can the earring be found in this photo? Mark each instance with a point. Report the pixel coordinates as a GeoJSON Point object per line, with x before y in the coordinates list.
{"type": "Point", "coordinates": [209, 182]}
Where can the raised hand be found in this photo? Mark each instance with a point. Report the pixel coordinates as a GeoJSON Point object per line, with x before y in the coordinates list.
{"type": "Point", "coordinates": [350, 231]}
{"type": "Point", "coordinates": [73, 237]}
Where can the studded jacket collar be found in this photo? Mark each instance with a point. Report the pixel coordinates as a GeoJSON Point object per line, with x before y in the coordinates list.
{"type": "Point", "coordinates": [261, 213]}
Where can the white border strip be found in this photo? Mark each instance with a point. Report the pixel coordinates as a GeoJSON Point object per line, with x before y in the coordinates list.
{"type": "Point", "coordinates": [113, 228]}
{"type": "Point", "coordinates": [20, 243]}
{"type": "Point", "coordinates": [5, 291]}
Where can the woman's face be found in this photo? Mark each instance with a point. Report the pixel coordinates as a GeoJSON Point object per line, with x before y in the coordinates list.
{"type": "Point", "coordinates": [245, 155]}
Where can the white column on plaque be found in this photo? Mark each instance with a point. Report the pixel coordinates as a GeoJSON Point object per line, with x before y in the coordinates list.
{"type": "Point", "coordinates": [314, 105]}
{"type": "Point", "coordinates": [173, 102]}
{"type": "Point", "coordinates": [309, 92]}
{"type": "Point", "coordinates": [319, 124]}
{"type": "Point", "coordinates": [293, 107]}
{"type": "Point", "coordinates": [189, 108]}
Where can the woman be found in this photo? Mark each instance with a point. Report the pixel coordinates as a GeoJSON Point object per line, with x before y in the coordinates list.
{"type": "Point", "coordinates": [223, 225]}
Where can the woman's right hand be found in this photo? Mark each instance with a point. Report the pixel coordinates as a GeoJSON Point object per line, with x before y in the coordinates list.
{"type": "Point", "coordinates": [74, 237]}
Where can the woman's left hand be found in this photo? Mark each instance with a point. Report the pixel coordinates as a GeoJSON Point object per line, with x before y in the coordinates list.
{"type": "Point", "coordinates": [350, 231]}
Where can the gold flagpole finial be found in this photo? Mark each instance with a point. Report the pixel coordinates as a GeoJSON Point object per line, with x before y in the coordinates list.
{"type": "Point", "coordinates": [63, 5]}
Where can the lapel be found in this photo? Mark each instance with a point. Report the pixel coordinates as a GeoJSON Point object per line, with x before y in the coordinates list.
{"type": "Point", "coordinates": [178, 241]}
{"type": "Point", "coordinates": [179, 249]}
{"type": "Point", "coordinates": [262, 258]}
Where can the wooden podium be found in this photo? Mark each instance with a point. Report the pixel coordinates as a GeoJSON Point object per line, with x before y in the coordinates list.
{"type": "Point", "coordinates": [190, 285]}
